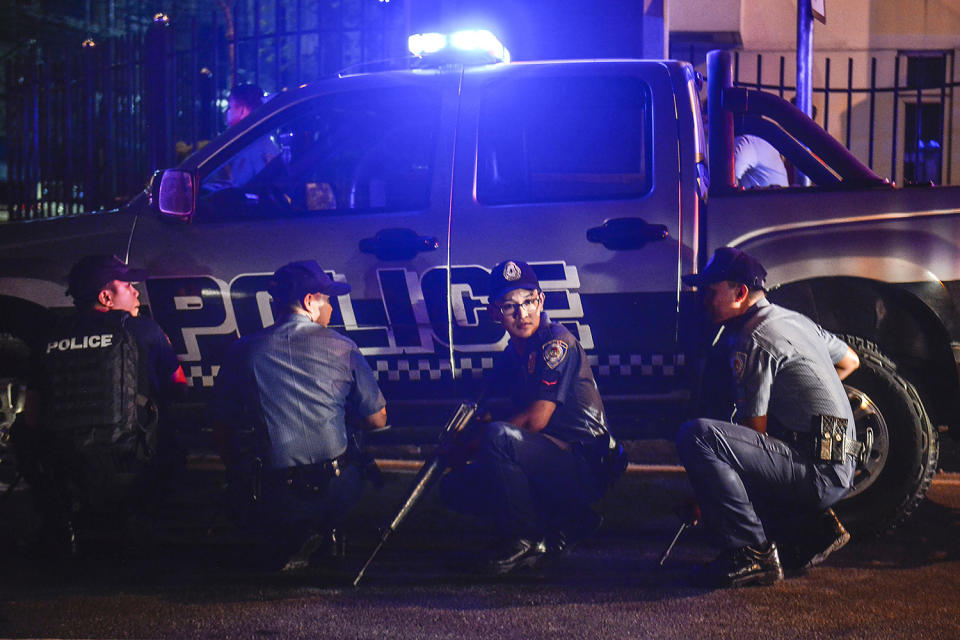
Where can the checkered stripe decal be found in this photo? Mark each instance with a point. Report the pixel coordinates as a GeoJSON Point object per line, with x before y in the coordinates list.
{"type": "Point", "coordinates": [633, 364]}
{"type": "Point", "coordinates": [197, 378]}
{"type": "Point", "coordinates": [648, 365]}
{"type": "Point", "coordinates": [417, 369]}
{"type": "Point", "coordinates": [428, 368]}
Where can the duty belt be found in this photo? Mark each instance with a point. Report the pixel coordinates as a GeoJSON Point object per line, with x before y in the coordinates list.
{"type": "Point", "coordinates": [306, 477]}
{"type": "Point", "coordinates": [828, 441]}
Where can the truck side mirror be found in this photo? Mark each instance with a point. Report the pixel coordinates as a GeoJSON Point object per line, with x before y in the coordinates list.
{"type": "Point", "coordinates": [177, 195]}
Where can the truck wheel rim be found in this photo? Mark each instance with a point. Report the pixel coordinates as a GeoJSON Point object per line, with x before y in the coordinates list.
{"type": "Point", "coordinates": [866, 414]}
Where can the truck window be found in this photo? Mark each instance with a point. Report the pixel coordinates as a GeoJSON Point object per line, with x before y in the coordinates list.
{"type": "Point", "coordinates": [563, 138]}
{"type": "Point", "coordinates": [361, 151]}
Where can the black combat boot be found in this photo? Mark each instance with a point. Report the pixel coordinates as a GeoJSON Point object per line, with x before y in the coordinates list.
{"type": "Point", "coordinates": [740, 568]}
{"type": "Point", "coordinates": [811, 546]}
{"type": "Point", "coordinates": [511, 553]}
{"type": "Point", "coordinates": [584, 524]}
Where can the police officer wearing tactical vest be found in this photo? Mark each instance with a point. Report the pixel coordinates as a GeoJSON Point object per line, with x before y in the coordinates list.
{"type": "Point", "coordinates": [767, 477]}
{"type": "Point", "coordinates": [535, 474]}
{"type": "Point", "coordinates": [290, 386]}
{"type": "Point", "coordinates": [106, 375]}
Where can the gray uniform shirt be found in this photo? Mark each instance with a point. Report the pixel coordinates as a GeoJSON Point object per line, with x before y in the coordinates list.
{"type": "Point", "coordinates": [296, 379]}
{"type": "Point", "coordinates": [784, 367]}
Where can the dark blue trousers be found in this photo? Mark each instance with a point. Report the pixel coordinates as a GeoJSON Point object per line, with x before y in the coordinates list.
{"type": "Point", "coordinates": [522, 482]}
{"type": "Point", "coordinates": [285, 516]}
{"type": "Point", "coordinates": [751, 486]}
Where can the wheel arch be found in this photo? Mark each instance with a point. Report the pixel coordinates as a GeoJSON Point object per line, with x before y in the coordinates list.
{"type": "Point", "coordinates": [915, 324]}
{"type": "Point", "coordinates": [25, 320]}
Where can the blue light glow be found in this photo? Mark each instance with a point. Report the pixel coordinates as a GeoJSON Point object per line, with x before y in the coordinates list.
{"type": "Point", "coordinates": [471, 41]}
{"type": "Point", "coordinates": [421, 44]}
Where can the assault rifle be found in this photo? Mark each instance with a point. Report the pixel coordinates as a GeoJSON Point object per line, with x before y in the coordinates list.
{"type": "Point", "coordinates": [428, 474]}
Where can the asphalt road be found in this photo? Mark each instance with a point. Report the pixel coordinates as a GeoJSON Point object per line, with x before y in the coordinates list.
{"type": "Point", "coordinates": [193, 585]}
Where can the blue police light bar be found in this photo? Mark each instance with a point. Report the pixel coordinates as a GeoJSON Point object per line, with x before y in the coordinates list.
{"type": "Point", "coordinates": [472, 41]}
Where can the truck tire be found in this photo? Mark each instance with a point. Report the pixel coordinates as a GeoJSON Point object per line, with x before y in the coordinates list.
{"type": "Point", "coordinates": [896, 475]}
{"type": "Point", "coordinates": [14, 362]}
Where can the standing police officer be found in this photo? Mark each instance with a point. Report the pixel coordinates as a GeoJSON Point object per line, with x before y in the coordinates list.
{"type": "Point", "coordinates": [535, 474]}
{"type": "Point", "coordinates": [767, 477]}
{"type": "Point", "coordinates": [292, 383]}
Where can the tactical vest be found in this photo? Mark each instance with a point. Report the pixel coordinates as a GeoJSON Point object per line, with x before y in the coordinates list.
{"type": "Point", "coordinates": [92, 386]}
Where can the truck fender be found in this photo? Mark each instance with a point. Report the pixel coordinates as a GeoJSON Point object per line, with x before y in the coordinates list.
{"type": "Point", "coordinates": [23, 321]}
{"type": "Point", "coordinates": [910, 323]}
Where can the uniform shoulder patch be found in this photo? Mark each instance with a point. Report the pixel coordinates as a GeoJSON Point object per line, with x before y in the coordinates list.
{"type": "Point", "coordinates": [554, 352]}
{"type": "Point", "coordinates": [738, 362]}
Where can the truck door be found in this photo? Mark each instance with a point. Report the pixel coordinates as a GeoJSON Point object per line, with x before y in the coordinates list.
{"type": "Point", "coordinates": [350, 180]}
{"type": "Point", "coordinates": [573, 167]}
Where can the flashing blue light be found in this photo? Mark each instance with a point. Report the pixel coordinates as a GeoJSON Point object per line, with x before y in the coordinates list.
{"type": "Point", "coordinates": [421, 44]}
{"type": "Point", "coordinates": [477, 41]}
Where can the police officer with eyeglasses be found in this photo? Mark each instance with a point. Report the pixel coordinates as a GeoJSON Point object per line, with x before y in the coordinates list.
{"type": "Point", "coordinates": [534, 473]}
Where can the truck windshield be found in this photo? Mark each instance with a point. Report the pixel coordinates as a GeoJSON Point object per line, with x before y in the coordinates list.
{"type": "Point", "coordinates": [354, 151]}
{"type": "Point", "coordinates": [563, 138]}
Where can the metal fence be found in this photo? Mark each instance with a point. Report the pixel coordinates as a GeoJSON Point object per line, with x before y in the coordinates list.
{"type": "Point", "coordinates": [894, 109]}
{"type": "Point", "coordinates": [87, 122]}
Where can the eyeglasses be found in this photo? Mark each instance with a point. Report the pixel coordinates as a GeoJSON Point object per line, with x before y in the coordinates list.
{"type": "Point", "coordinates": [511, 308]}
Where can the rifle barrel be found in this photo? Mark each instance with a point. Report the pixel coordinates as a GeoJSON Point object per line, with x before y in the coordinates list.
{"type": "Point", "coordinates": [366, 564]}
{"type": "Point", "coordinates": [425, 477]}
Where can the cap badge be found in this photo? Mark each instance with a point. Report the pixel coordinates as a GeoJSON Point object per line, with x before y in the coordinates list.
{"type": "Point", "coordinates": [511, 272]}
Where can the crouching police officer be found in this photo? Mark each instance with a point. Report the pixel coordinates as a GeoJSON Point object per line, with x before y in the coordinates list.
{"type": "Point", "coordinates": [771, 477]}
{"type": "Point", "coordinates": [98, 430]}
{"type": "Point", "coordinates": [535, 474]}
{"type": "Point", "coordinates": [280, 406]}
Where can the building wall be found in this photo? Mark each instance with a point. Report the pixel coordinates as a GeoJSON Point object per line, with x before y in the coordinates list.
{"type": "Point", "coordinates": [919, 24]}
{"type": "Point", "coordinates": [851, 24]}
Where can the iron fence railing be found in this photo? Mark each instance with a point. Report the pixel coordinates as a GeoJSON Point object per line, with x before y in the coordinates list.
{"type": "Point", "coordinates": [895, 110]}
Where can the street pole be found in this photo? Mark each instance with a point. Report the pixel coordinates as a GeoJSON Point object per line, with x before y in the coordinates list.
{"type": "Point", "coordinates": [805, 61]}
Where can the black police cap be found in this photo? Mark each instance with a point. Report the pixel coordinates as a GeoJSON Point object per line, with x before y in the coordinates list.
{"type": "Point", "coordinates": [510, 275]}
{"type": "Point", "coordinates": [91, 274]}
{"type": "Point", "coordinates": [730, 264]}
{"type": "Point", "coordinates": [292, 281]}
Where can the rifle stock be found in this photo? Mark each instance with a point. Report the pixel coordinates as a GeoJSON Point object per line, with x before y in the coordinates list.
{"type": "Point", "coordinates": [427, 475]}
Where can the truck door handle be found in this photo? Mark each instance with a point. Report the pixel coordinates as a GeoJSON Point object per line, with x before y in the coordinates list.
{"type": "Point", "coordinates": [397, 244]}
{"type": "Point", "coordinates": [619, 234]}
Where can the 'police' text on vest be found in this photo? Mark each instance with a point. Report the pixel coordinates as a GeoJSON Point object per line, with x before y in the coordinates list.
{"type": "Point", "coordinates": [81, 342]}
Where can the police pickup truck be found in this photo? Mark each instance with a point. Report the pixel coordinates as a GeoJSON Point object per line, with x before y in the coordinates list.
{"type": "Point", "coordinates": [410, 184]}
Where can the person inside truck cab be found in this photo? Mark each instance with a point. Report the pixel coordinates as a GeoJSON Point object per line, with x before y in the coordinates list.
{"type": "Point", "coordinates": [246, 165]}
{"type": "Point", "coordinates": [535, 473]}
{"type": "Point", "coordinates": [766, 482]}
{"type": "Point", "coordinates": [757, 163]}
{"type": "Point", "coordinates": [279, 413]}
{"type": "Point", "coordinates": [88, 427]}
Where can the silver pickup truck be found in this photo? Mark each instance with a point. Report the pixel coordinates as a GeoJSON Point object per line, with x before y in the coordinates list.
{"type": "Point", "coordinates": [411, 184]}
